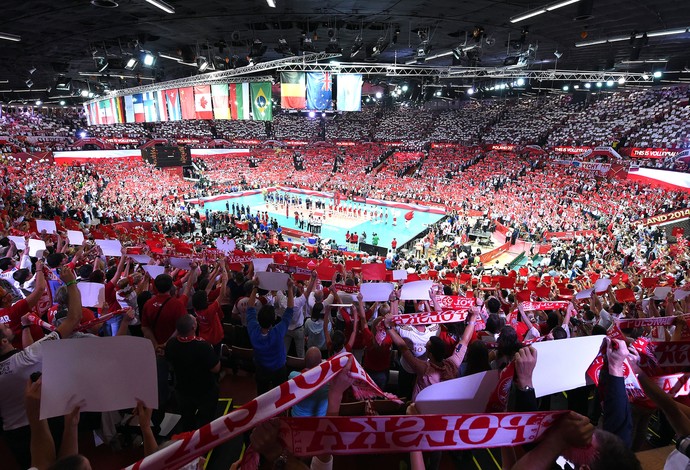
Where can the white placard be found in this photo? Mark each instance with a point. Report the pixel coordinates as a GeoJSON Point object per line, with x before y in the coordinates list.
{"type": "Point", "coordinates": [36, 247]}
{"type": "Point", "coordinates": [18, 241]}
{"type": "Point", "coordinates": [376, 291]}
{"type": "Point", "coordinates": [47, 225]}
{"type": "Point", "coordinates": [562, 364]}
{"type": "Point", "coordinates": [273, 281]}
{"type": "Point", "coordinates": [399, 274]}
{"type": "Point", "coordinates": [141, 259]}
{"type": "Point", "coordinates": [75, 237]}
{"type": "Point", "coordinates": [153, 270]}
{"type": "Point", "coordinates": [464, 395]}
{"type": "Point", "coordinates": [660, 293]}
{"type": "Point", "coordinates": [416, 290]}
{"type": "Point", "coordinates": [181, 263]}
{"type": "Point", "coordinates": [104, 374]}
{"type": "Point", "coordinates": [92, 294]}
{"type": "Point", "coordinates": [226, 246]}
{"type": "Point", "coordinates": [680, 294]}
{"type": "Point", "coordinates": [261, 264]}
{"type": "Point", "coordinates": [110, 247]}
{"type": "Point", "coordinates": [602, 284]}
{"type": "Point", "coordinates": [584, 294]}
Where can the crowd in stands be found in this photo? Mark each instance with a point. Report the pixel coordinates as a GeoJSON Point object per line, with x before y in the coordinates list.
{"type": "Point", "coordinates": [189, 313]}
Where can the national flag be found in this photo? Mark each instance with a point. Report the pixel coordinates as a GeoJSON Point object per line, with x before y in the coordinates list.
{"type": "Point", "coordinates": [262, 107]}
{"type": "Point", "coordinates": [104, 112]}
{"type": "Point", "coordinates": [219, 94]}
{"type": "Point", "coordinates": [349, 92]}
{"type": "Point", "coordinates": [172, 101]}
{"type": "Point", "coordinates": [93, 112]}
{"type": "Point", "coordinates": [86, 112]}
{"type": "Point", "coordinates": [319, 91]}
{"type": "Point", "coordinates": [238, 98]}
{"type": "Point", "coordinates": [118, 113]}
{"type": "Point", "coordinates": [150, 106]}
{"type": "Point", "coordinates": [187, 103]}
{"type": "Point", "coordinates": [160, 105]}
{"type": "Point", "coordinates": [129, 109]}
{"type": "Point", "coordinates": [292, 90]}
{"type": "Point", "coordinates": [202, 102]}
{"type": "Point", "coordinates": [138, 106]}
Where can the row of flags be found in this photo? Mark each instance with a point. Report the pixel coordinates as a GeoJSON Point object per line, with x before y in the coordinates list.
{"type": "Point", "coordinates": [314, 91]}
{"type": "Point", "coordinates": [218, 101]}
{"type": "Point", "coordinates": [247, 101]}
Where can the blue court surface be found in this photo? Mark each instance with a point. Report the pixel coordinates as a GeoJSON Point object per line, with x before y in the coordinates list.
{"type": "Point", "coordinates": [336, 227]}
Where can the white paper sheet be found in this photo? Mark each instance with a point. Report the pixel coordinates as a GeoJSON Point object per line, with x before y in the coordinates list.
{"type": "Point", "coordinates": [464, 395]}
{"type": "Point", "coordinates": [18, 241]}
{"type": "Point", "coordinates": [562, 364]}
{"type": "Point", "coordinates": [261, 264]}
{"type": "Point", "coordinates": [273, 281]}
{"type": "Point", "coordinates": [417, 290]}
{"type": "Point", "coordinates": [105, 374]}
{"type": "Point", "coordinates": [141, 259]}
{"type": "Point", "coordinates": [36, 247]}
{"type": "Point", "coordinates": [181, 263]}
{"type": "Point", "coordinates": [92, 294]}
{"type": "Point", "coordinates": [660, 293]}
{"type": "Point", "coordinates": [154, 270]}
{"type": "Point", "coordinates": [376, 291]}
{"type": "Point", "coordinates": [47, 225]}
{"type": "Point", "coordinates": [584, 294]}
{"type": "Point", "coordinates": [110, 247]}
{"type": "Point", "coordinates": [602, 284]}
{"type": "Point", "coordinates": [399, 275]}
{"type": "Point", "coordinates": [75, 237]}
{"type": "Point", "coordinates": [226, 246]}
{"type": "Point", "coordinates": [680, 294]}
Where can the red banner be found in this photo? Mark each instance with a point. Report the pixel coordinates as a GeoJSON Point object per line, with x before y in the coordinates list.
{"type": "Point", "coordinates": [667, 218]}
{"type": "Point", "coordinates": [648, 152]}
{"type": "Point", "coordinates": [570, 234]}
{"type": "Point", "coordinates": [495, 253]}
{"type": "Point", "coordinates": [502, 147]}
{"type": "Point", "coordinates": [553, 305]}
{"type": "Point", "coordinates": [455, 302]}
{"type": "Point", "coordinates": [571, 150]}
{"type": "Point", "coordinates": [449, 316]}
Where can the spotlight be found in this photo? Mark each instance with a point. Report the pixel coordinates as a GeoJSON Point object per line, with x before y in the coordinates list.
{"type": "Point", "coordinates": [62, 102]}
{"type": "Point", "coordinates": [405, 88]}
{"type": "Point", "coordinates": [356, 47]}
{"type": "Point", "coordinates": [312, 114]}
{"type": "Point", "coordinates": [609, 83]}
{"type": "Point", "coordinates": [423, 49]}
{"type": "Point", "coordinates": [438, 93]}
{"type": "Point", "coordinates": [379, 95]}
{"type": "Point", "coordinates": [32, 70]}
{"type": "Point", "coordinates": [283, 48]}
{"type": "Point", "coordinates": [470, 91]}
{"type": "Point", "coordinates": [131, 63]}
{"type": "Point", "coordinates": [520, 82]}
{"type": "Point", "coordinates": [84, 93]}
{"type": "Point", "coordinates": [645, 76]}
{"type": "Point", "coordinates": [621, 80]}
{"type": "Point", "coordinates": [599, 84]}
{"type": "Point", "coordinates": [566, 87]}
{"type": "Point", "coordinates": [29, 83]}
{"type": "Point", "coordinates": [101, 64]}
{"type": "Point", "coordinates": [82, 134]}
{"type": "Point", "coordinates": [588, 85]}
{"type": "Point", "coordinates": [323, 115]}
{"type": "Point", "coordinates": [148, 59]}
{"type": "Point", "coordinates": [258, 48]}
{"type": "Point", "coordinates": [333, 47]}
{"type": "Point", "coordinates": [379, 47]}
{"type": "Point", "coordinates": [576, 87]}
{"type": "Point", "coordinates": [558, 54]}
{"type": "Point", "coordinates": [307, 44]}
{"type": "Point", "coordinates": [90, 95]}
{"type": "Point", "coordinates": [201, 63]}
{"type": "Point", "coordinates": [39, 102]}
{"type": "Point", "coordinates": [63, 84]}
{"type": "Point", "coordinates": [657, 74]}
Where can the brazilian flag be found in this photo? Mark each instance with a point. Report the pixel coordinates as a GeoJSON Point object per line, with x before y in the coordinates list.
{"type": "Point", "coordinates": [262, 106]}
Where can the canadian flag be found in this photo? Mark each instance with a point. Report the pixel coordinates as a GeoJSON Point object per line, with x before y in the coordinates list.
{"type": "Point", "coordinates": [202, 102]}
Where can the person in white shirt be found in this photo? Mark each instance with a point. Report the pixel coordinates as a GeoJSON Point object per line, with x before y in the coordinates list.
{"type": "Point", "coordinates": [295, 331]}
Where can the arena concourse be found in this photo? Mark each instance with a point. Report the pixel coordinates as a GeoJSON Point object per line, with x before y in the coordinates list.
{"type": "Point", "coordinates": [496, 278]}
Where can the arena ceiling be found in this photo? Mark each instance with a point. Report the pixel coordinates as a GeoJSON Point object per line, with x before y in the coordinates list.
{"type": "Point", "coordinates": [76, 38]}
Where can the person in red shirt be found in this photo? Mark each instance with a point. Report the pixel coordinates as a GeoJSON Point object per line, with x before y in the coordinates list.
{"type": "Point", "coordinates": [161, 313]}
{"type": "Point", "coordinates": [11, 314]}
{"type": "Point", "coordinates": [207, 314]}
{"type": "Point", "coordinates": [394, 244]}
